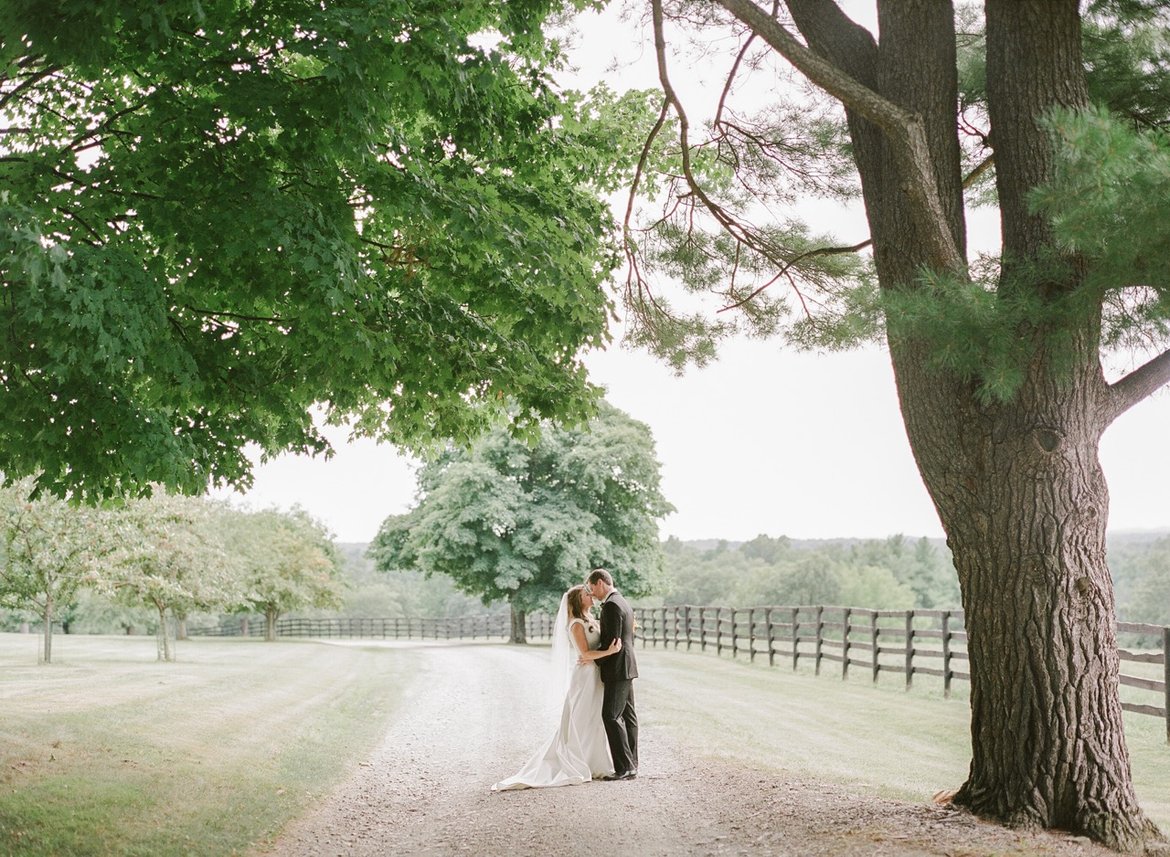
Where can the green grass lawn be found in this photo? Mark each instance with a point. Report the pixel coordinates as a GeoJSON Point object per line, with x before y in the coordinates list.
{"type": "Point", "coordinates": [109, 752]}
{"type": "Point", "coordinates": [896, 743]}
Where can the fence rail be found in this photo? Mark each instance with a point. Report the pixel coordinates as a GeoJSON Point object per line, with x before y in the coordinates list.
{"type": "Point", "coordinates": [486, 627]}
{"type": "Point", "coordinates": [910, 643]}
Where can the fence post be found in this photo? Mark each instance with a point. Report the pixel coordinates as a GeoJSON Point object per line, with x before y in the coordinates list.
{"type": "Point", "coordinates": [751, 635]}
{"type": "Point", "coordinates": [734, 634]}
{"type": "Point", "coordinates": [909, 648]}
{"type": "Point", "coordinates": [769, 627]}
{"type": "Point", "coordinates": [820, 636]}
{"type": "Point", "coordinates": [795, 626]}
{"type": "Point", "coordinates": [702, 629]}
{"type": "Point", "coordinates": [686, 608]}
{"type": "Point", "coordinates": [946, 647]}
{"type": "Point", "coordinates": [845, 623]}
{"type": "Point", "coordinates": [873, 638]}
{"type": "Point", "coordinates": [1166, 676]}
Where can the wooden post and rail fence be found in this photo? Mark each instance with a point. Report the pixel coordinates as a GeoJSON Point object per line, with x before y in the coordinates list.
{"type": "Point", "coordinates": [911, 643]}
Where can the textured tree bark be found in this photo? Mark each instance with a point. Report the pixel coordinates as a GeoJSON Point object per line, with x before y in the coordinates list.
{"type": "Point", "coordinates": [1047, 737]}
{"type": "Point", "coordinates": [1018, 486]}
{"type": "Point", "coordinates": [519, 625]}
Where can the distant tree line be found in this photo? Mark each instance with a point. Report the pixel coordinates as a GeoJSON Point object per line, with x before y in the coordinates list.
{"type": "Point", "coordinates": [153, 563]}
{"type": "Point", "coordinates": [1141, 574]}
{"type": "Point", "coordinates": [370, 592]}
{"type": "Point", "coordinates": [896, 573]}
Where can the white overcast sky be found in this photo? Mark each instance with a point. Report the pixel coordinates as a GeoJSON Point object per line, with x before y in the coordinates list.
{"type": "Point", "coordinates": [764, 441]}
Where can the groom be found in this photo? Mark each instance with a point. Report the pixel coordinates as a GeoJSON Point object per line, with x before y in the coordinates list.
{"type": "Point", "coordinates": [618, 672]}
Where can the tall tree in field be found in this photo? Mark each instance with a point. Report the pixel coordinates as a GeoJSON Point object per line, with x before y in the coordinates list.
{"type": "Point", "coordinates": [1050, 110]}
{"type": "Point", "coordinates": [514, 522]}
{"type": "Point", "coordinates": [287, 561]}
{"type": "Point", "coordinates": [50, 551]}
{"type": "Point", "coordinates": [217, 216]}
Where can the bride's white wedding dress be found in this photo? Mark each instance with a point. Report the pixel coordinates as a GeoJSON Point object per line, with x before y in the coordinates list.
{"type": "Point", "coordinates": [578, 752]}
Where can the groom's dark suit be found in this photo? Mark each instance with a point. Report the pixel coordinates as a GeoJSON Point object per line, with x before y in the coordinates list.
{"type": "Point", "coordinates": [617, 674]}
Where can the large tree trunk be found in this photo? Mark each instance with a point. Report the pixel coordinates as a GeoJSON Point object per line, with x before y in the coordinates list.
{"type": "Point", "coordinates": [1017, 485]}
{"type": "Point", "coordinates": [271, 614]}
{"type": "Point", "coordinates": [519, 625]}
{"type": "Point", "coordinates": [1046, 719]}
{"type": "Point", "coordinates": [1029, 534]}
{"type": "Point", "coordinates": [1024, 503]}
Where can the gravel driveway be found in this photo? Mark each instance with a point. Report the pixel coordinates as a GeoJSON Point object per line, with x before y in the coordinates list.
{"type": "Point", "coordinates": [468, 722]}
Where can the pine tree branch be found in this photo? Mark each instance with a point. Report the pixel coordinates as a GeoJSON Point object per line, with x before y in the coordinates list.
{"type": "Point", "coordinates": [819, 251]}
{"type": "Point", "coordinates": [739, 57]}
{"type": "Point", "coordinates": [1126, 392]}
{"type": "Point", "coordinates": [903, 129]}
{"type": "Point", "coordinates": [743, 233]}
{"type": "Point", "coordinates": [634, 276]}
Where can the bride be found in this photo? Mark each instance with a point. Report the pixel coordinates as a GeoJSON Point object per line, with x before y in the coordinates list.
{"type": "Point", "coordinates": [579, 751]}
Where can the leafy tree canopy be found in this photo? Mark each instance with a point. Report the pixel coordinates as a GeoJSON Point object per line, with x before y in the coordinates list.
{"type": "Point", "coordinates": [217, 215]}
{"type": "Point", "coordinates": [517, 522]}
{"type": "Point", "coordinates": [288, 561]}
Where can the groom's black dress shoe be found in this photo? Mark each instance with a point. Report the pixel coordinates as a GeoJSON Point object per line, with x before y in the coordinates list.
{"type": "Point", "coordinates": [626, 775]}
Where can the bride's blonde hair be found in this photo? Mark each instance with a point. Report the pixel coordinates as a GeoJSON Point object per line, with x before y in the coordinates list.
{"type": "Point", "coordinates": [576, 602]}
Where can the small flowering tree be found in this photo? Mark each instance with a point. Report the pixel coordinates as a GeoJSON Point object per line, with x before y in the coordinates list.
{"type": "Point", "coordinates": [172, 559]}
{"type": "Point", "coordinates": [50, 550]}
{"type": "Point", "coordinates": [288, 562]}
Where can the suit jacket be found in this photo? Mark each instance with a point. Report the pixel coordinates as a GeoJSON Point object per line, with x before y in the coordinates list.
{"type": "Point", "coordinates": [617, 621]}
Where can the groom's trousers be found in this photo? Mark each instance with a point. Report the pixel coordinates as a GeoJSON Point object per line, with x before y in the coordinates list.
{"type": "Point", "coordinates": [621, 724]}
